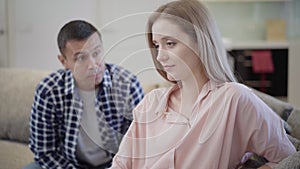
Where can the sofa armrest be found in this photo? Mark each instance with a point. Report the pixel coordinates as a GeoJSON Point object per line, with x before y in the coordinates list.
{"type": "Point", "coordinates": [294, 122]}
{"type": "Point", "coordinates": [14, 155]}
{"type": "Point", "coordinates": [291, 162]}
{"type": "Point", "coordinates": [16, 95]}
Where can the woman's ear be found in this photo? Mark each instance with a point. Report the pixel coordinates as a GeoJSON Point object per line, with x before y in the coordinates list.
{"type": "Point", "coordinates": [63, 61]}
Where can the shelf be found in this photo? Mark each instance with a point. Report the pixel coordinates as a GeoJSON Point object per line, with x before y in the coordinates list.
{"type": "Point", "coordinates": [245, 0]}
{"type": "Point", "coordinates": [255, 45]}
{"type": "Point", "coordinates": [274, 82]}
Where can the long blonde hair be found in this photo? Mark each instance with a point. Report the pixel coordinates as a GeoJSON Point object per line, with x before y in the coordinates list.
{"type": "Point", "coordinates": [202, 29]}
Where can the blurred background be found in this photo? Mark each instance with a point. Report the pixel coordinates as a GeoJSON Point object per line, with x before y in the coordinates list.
{"type": "Point", "coordinates": [28, 30]}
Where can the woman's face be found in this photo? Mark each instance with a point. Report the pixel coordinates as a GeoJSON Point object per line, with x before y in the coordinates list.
{"type": "Point", "coordinates": [176, 51]}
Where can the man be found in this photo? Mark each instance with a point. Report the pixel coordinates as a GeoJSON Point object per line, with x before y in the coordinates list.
{"type": "Point", "coordinates": [80, 114]}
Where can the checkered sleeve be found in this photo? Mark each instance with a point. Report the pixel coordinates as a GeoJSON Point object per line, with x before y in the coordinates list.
{"type": "Point", "coordinates": [136, 94]}
{"type": "Point", "coordinates": [43, 131]}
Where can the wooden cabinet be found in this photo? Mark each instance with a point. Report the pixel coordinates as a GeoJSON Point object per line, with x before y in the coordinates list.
{"type": "Point", "coordinates": [274, 83]}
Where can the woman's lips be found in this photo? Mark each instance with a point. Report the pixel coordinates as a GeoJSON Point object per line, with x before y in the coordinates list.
{"type": "Point", "coordinates": [167, 67]}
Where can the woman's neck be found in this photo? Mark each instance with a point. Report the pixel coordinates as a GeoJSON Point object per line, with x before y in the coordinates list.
{"type": "Point", "coordinates": [183, 100]}
{"type": "Point", "coordinates": [191, 89]}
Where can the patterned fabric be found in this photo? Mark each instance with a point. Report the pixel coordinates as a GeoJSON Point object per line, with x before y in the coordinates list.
{"type": "Point", "coordinates": [57, 109]}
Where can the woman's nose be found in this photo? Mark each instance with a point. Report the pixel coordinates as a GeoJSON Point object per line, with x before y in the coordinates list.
{"type": "Point", "coordinates": [162, 55]}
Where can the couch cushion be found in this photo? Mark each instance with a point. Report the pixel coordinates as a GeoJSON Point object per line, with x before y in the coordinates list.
{"type": "Point", "coordinates": [294, 122]}
{"type": "Point", "coordinates": [295, 142]}
{"type": "Point", "coordinates": [16, 95]}
{"type": "Point", "coordinates": [291, 162]}
{"type": "Point", "coordinates": [14, 155]}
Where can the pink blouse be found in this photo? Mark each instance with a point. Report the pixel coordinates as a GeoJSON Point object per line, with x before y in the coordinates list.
{"type": "Point", "coordinates": [227, 121]}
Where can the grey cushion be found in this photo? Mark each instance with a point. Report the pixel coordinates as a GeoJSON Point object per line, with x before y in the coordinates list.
{"type": "Point", "coordinates": [291, 162]}
{"type": "Point", "coordinates": [295, 142]}
{"type": "Point", "coordinates": [294, 122]}
{"type": "Point", "coordinates": [16, 95]}
{"type": "Point", "coordinates": [14, 155]}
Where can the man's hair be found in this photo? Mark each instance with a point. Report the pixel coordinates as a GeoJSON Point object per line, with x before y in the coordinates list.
{"type": "Point", "coordinates": [75, 30]}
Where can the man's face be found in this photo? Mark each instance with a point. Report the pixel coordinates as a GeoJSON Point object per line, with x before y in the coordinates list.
{"type": "Point", "coordinates": [86, 61]}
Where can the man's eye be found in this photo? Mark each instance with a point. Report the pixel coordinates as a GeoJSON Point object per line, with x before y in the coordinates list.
{"type": "Point", "coordinates": [80, 57]}
{"type": "Point", "coordinates": [96, 53]}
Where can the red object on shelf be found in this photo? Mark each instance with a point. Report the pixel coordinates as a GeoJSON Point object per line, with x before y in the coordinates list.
{"type": "Point", "coordinates": [262, 63]}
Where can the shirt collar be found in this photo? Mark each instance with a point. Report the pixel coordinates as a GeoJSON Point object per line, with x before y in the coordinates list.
{"type": "Point", "coordinates": [107, 79]}
{"type": "Point", "coordinates": [207, 87]}
{"type": "Point", "coordinates": [69, 85]}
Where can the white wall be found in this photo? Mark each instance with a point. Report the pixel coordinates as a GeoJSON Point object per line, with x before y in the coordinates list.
{"type": "Point", "coordinates": [4, 60]}
{"type": "Point", "coordinates": [245, 20]}
{"type": "Point", "coordinates": [123, 27]}
{"type": "Point", "coordinates": [35, 25]}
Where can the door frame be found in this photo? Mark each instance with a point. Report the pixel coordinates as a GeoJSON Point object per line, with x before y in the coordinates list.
{"type": "Point", "coordinates": [7, 13]}
{"type": "Point", "coordinates": [4, 59]}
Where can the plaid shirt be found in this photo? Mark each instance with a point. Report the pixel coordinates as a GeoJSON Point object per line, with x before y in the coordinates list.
{"type": "Point", "coordinates": [57, 109]}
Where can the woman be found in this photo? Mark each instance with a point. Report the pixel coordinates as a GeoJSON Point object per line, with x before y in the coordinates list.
{"type": "Point", "coordinates": [206, 120]}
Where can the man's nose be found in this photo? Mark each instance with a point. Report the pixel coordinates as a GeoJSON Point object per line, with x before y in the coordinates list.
{"type": "Point", "coordinates": [93, 62]}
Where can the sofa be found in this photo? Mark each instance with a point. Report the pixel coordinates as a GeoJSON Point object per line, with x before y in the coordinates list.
{"type": "Point", "coordinates": [16, 95]}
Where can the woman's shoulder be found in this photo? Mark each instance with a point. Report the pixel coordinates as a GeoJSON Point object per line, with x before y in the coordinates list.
{"type": "Point", "coordinates": [152, 102]}
{"type": "Point", "coordinates": [245, 96]}
{"type": "Point", "coordinates": [154, 96]}
{"type": "Point", "coordinates": [238, 92]}
{"type": "Point", "coordinates": [237, 89]}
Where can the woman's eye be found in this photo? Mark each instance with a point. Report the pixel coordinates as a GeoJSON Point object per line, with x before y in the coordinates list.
{"type": "Point", "coordinates": [171, 44]}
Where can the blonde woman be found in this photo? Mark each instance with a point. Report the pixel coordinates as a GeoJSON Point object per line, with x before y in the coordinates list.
{"type": "Point", "coordinates": [206, 120]}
